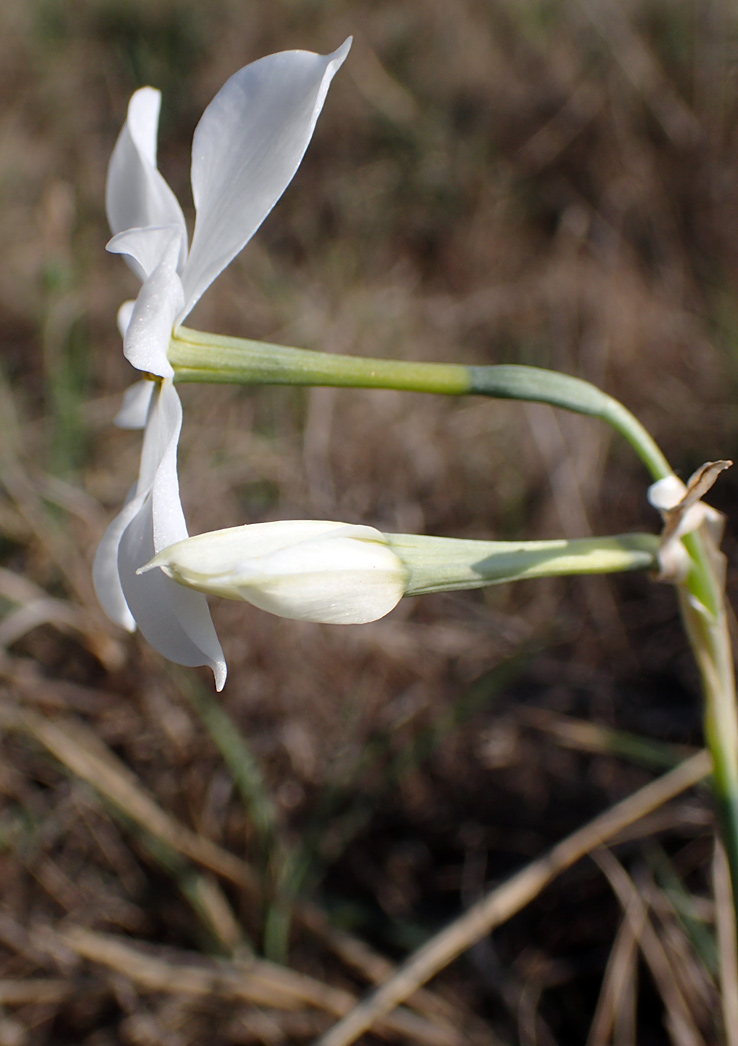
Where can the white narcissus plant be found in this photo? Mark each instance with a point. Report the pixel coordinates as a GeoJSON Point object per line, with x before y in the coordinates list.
{"type": "Point", "coordinates": [245, 151]}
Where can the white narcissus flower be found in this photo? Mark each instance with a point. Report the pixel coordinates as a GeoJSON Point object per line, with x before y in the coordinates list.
{"type": "Point", "coordinates": [312, 570]}
{"type": "Point", "coordinates": [246, 149]}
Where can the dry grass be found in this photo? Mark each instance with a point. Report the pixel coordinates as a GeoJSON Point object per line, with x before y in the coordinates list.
{"type": "Point", "coordinates": [536, 182]}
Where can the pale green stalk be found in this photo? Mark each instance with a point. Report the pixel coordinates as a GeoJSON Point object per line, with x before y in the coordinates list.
{"type": "Point", "coordinates": [452, 564]}
{"type": "Point", "coordinates": [212, 358]}
{"type": "Point", "coordinates": [710, 639]}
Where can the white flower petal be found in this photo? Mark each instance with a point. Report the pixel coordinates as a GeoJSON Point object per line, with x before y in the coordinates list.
{"type": "Point", "coordinates": [146, 247]}
{"type": "Point", "coordinates": [245, 151]}
{"type": "Point", "coordinates": [124, 316]}
{"type": "Point", "coordinates": [337, 580]}
{"type": "Point", "coordinates": [135, 408]}
{"type": "Point", "coordinates": [136, 195]}
{"type": "Point", "coordinates": [105, 574]}
{"type": "Point", "coordinates": [150, 328]}
{"type": "Point", "coordinates": [163, 426]}
{"type": "Point", "coordinates": [168, 517]}
{"type": "Point", "coordinates": [163, 421]}
{"type": "Point", "coordinates": [174, 620]}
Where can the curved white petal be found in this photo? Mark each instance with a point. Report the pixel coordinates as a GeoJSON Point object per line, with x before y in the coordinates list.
{"type": "Point", "coordinates": [105, 576]}
{"type": "Point", "coordinates": [245, 151]}
{"type": "Point", "coordinates": [174, 620]}
{"type": "Point", "coordinates": [136, 194]}
{"type": "Point", "coordinates": [150, 328]}
{"type": "Point", "coordinates": [124, 316]}
{"type": "Point", "coordinates": [161, 428]}
{"type": "Point", "coordinates": [135, 407]}
{"type": "Point", "coordinates": [337, 579]}
{"type": "Point", "coordinates": [165, 425]}
{"type": "Point", "coordinates": [146, 246]}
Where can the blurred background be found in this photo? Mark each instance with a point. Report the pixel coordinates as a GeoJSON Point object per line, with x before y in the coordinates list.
{"type": "Point", "coordinates": [551, 182]}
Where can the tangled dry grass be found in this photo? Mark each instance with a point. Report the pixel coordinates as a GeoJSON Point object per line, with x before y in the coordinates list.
{"type": "Point", "coordinates": [549, 183]}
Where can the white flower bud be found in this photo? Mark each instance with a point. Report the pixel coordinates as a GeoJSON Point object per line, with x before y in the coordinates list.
{"type": "Point", "coordinates": [312, 570]}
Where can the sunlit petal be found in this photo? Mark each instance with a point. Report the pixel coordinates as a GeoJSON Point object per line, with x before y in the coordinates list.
{"type": "Point", "coordinates": [246, 149]}
{"type": "Point", "coordinates": [146, 247]}
{"type": "Point", "coordinates": [136, 195]}
{"type": "Point", "coordinates": [105, 574]}
{"type": "Point", "coordinates": [150, 328]}
{"type": "Point", "coordinates": [174, 620]}
{"type": "Point", "coordinates": [162, 435]}
{"type": "Point", "coordinates": [666, 493]}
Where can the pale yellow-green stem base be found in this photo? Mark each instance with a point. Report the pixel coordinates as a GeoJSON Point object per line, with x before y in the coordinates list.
{"type": "Point", "coordinates": [451, 564]}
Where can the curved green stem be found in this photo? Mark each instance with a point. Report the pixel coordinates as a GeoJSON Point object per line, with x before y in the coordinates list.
{"type": "Point", "coordinates": [513, 381]}
{"type": "Point", "coordinates": [437, 564]}
{"type": "Point", "coordinates": [215, 358]}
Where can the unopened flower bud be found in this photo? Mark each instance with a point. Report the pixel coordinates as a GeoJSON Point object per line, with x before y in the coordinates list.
{"type": "Point", "coordinates": [312, 570]}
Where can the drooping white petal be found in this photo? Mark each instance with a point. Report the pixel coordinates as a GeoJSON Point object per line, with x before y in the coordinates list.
{"type": "Point", "coordinates": [135, 408]}
{"type": "Point", "coordinates": [159, 302]}
{"type": "Point", "coordinates": [174, 620]}
{"type": "Point", "coordinates": [245, 152]}
{"type": "Point", "coordinates": [162, 427]}
{"type": "Point", "coordinates": [168, 517]}
{"type": "Point", "coordinates": [105, 576]}
{"type": "Point", "coordinates": [179, 628]}
{"type": "Point", "coordinates": [136, 194]}
{"type": "Point", "coordinates": [313, 570]}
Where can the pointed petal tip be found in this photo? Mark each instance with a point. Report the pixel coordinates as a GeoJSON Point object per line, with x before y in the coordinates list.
{"type": "Point", "coordinates": [220, 674]}
{"type": "Point", "coordinates": [341, 52]}
{"type": "Point", "coordinates": [245, 151]}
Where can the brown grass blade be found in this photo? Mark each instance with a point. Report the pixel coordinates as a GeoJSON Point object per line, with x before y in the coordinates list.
{"type": "Point", "coordinates": [256, 981]}
{"type": "Point", "coordinates": [724, 922]}
{"type": "Point", "coordinates": [618, 985]}
{"type": "Point", "coordinates": [88, 758]}
{"type": "Point", "coordinates": [502, 902]}
{"type": "Point", "coordinates": [678, 1018]}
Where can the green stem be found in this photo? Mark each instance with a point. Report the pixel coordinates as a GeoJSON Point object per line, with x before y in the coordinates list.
{"type": "Point", "coordinates": [710, 639]}
{"type": "Point", "coordinates": [512, 381]}
{"type": "Point", "coordinates": [214, 358]}
{"type": "Point", "coordinates": [452, 564]}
